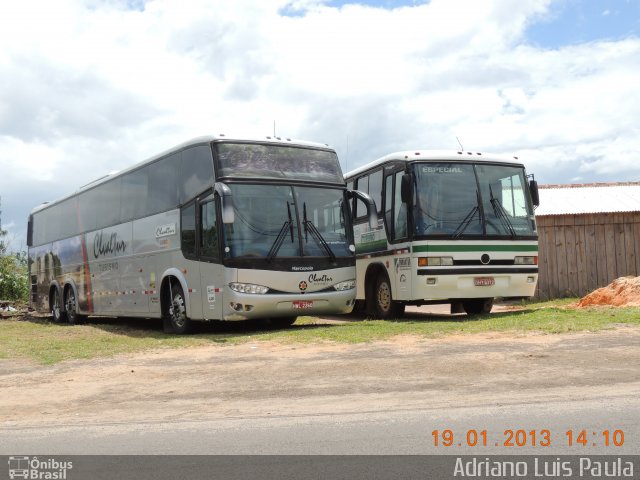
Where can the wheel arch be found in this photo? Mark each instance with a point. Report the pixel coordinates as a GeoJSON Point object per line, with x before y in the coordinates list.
{"type": "Point", "coordinates": [374, 270]}
{"type": "Point", "coordinates": [54, 286]}
{"type": "Point", "coordinates": [70, 284]}
{"type": "Point", "coordinates": [170, 275]}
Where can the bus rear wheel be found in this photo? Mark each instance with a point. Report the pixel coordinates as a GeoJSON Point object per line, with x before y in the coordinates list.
{"type": "Point", "coordinates": [478, 306]}
{"type": "Point", "coordinates": [71, 306]}
{"type": "Point", "coordinates": [382, 304]}
{"type": "Point", "coordinates": [176, 311]}
{"type": "Point", "coordinates": [57, 314]}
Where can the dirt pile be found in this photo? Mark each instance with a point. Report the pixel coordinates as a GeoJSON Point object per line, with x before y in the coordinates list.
{"type": "Point", "coordinates": [622, 292]}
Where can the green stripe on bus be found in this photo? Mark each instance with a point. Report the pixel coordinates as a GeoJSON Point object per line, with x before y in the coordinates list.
{"type": "Point", "coordinates": [374, 246]}
{"type": "Point", "coordinates": [475, 248]}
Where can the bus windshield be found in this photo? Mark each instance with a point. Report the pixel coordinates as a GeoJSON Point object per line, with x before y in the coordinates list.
{"type": "Point", "coordinates": [278, 161]}
{"type": "Point", "coordinates": [461, 200]}
{"type": "Point", "coordinates": [287, 221]}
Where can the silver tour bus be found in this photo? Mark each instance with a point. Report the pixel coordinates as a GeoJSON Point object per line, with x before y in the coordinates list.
{"type": "Point", "coordinates": [454, 227]}
{"type": "Point", "coordinates": [214, 229]}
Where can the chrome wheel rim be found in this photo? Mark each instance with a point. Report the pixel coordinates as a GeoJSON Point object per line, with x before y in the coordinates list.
{"type": "Point", "coordinates": [70, 304]}
{"type": "Point", "coordinates": [55, 311]}
{"type": "Point", "coordinates": [384, 296]}
{"type": "Point", "coordinates": [178, 313]}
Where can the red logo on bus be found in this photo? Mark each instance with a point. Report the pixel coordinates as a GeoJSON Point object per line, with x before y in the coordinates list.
{"type": "Point", "coordinates": [302, 285]}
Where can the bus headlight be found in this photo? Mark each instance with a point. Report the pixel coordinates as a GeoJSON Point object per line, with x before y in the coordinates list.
{"type": "Point", "coordinates": [435, 261]}
{"type": "Point", "coordinates": [348, 285]}
{"type": "Point", "coordinates": [533, 260]}
{"type": "Point", "coordinates": [248, 288]}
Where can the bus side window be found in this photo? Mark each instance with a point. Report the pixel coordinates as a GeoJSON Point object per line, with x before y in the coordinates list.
{"type": "Point", "coordinates": [388, 204]}
{"type": "Point", "coordinates": [196, 172]}
{"type": "Point", "coordinates": [375, 188]}
{"type": "Point", "coordinates": [162, 187]}
{"type": "Point", "coordinates": [400, 210]}
{"type": "Point", "coordinates": [209, 231]}
{"type": "Point", "coordinates": [362, 184]}
{"type": "Point", "coordinates": [188, 230]}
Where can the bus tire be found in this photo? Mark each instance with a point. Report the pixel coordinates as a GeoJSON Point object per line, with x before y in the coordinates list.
{"type": "Point", "coordinates": [383, 305]}
{"type": "Point", "coordinates": [58, 315]}
{"type": "Point", "coordinates": [478, 306]}
{"type": "Point", "coordinates": [71, 307]}
{"type": "Point", "coordinates": [175, 311]}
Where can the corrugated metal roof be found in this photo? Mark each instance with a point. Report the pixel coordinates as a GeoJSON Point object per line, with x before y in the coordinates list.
{"type": "Point", "coordinates": [589, 198]}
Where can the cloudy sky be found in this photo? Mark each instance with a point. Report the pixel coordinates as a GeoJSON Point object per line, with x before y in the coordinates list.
{"type": "Point", "coordinates": [88, 87]}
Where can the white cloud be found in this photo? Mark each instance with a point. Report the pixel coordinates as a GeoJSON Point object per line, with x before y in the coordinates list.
{"type": "Point", "coordinates": [89, 87]}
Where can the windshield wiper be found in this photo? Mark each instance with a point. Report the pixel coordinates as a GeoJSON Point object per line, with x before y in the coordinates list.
{"type": "Point", "coordinates": [310, 227]}
{"type": "Point", "coordinates": [501, 213]}
{"type": "Point", "coordinates": [466, 221]}
{"type": "Point", "coordinates": [277, 243]}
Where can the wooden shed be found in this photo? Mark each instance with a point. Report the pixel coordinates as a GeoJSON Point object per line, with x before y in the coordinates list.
{"type": "Point", "coordinates": [589, 236]}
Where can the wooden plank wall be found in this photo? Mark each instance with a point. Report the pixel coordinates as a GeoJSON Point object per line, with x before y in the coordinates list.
{"type": "Point", "coordinates": [579, 253]}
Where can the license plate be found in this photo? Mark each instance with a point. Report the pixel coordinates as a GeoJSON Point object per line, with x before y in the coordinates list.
{"type": "Point", "coordinates": [302, 304]}
{"type": "Point", "coordinates": [484, 281]}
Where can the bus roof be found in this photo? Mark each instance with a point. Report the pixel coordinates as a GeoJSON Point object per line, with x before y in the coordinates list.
{"type": "Point", "coordinates": [194, 141]}
{"type": "Point", "coordinates": [434, 155]}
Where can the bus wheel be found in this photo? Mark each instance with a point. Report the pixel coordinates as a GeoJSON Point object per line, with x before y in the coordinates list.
{"type": "Point", "coordinates": [176, 313]}
{"type": "Point", "coordinates": [478, 306]}
{"type": "Point", "coordinates": [71, 306]}
{"type": "Point", "coordinates": [384, 306]}
{"type": "Point", "coordinates": [56, 307]}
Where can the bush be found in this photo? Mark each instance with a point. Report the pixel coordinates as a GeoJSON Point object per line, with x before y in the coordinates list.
{"type": "Point", "coordinates": [14, 276]}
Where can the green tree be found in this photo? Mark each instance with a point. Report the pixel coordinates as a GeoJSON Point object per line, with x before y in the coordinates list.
{"type": "Point", "coordinates": [14, 277]}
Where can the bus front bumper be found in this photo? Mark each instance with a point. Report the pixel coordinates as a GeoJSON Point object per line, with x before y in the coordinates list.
{"type": "Point", "coordinates": [478, 285]}
{"type": "Point", "coordinates": [242, 306]}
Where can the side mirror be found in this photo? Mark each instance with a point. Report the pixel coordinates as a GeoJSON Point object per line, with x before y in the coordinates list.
{"type": "Point", "coordinates": [533, 190]}
{"type": "Point", "coordinates": [226, 202]}
{"type": "Point", "coordinates": [372, 212]}
{"type": "Point", "coordinates": [406, 189]}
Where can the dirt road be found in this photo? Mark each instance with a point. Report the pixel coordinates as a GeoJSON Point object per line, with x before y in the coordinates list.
{"type": "Point", "coordinates": [264, 379]}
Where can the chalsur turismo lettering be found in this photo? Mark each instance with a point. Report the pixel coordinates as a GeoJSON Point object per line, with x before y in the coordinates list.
{"type": "Point", "coordinates": [108, 245]}
{"type": "Point", "coordinates": [315, 278]}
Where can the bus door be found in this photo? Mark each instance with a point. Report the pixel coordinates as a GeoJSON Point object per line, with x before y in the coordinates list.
{"type": "Point", "coordinates": [211, 270]}
{"type": "Point", "coordinates": [397, 234]}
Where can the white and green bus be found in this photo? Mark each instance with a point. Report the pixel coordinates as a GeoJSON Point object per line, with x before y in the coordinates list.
{"type": "Point", "coordinates": [454, 228]}
{"type": "Point", "coordinates": [215, 229]}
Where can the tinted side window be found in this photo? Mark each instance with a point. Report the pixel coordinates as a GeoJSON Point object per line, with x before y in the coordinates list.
{"type": "Point", "coordinates": [134, 195]}
{"type": "Point", "coordinates": [39, 233]}
{"type": "Point", "coordinates": [388, 203]}
{"type": "Point", "coordinates": [107, 203]}
{"type": "Point", "coordinates": [362, 185]}
{"type": "Point", "coordinates": [196, 172]}
{"type": "Point", "coordinates": [400, 229]}
{"type": "Point", "coordinates": [68, 217]}
{"type": "Point", "coordinates": [52, 224]}
{"type": "Point", "coordinates": [188, 230]}
{"type": "Point", "coordinates": [375, 188]}
{"type": "Point", "coordinates": [162, 186]}
{"type": "Point", "coordinates": [87, 210]}
{"type": "Point", "coordinates": [209, 231]}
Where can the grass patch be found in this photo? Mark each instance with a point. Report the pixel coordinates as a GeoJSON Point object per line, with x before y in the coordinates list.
{"type": "Point", "coordinates": [49, 343]}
